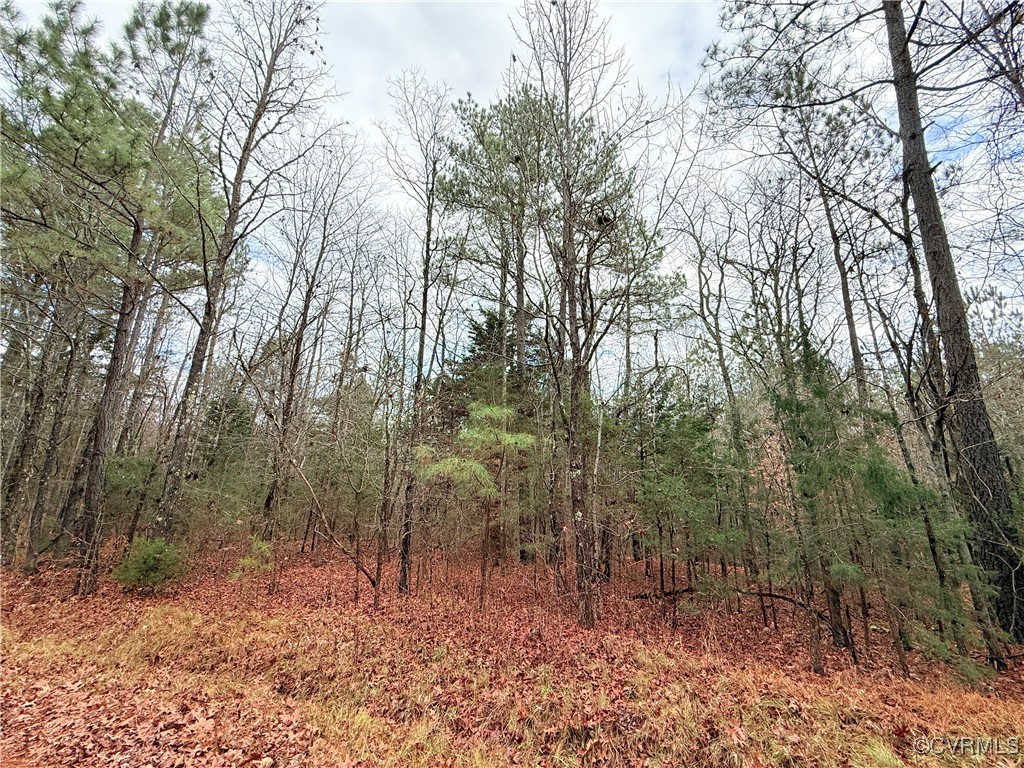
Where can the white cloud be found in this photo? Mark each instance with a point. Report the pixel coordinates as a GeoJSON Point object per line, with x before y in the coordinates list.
{"type": "Point", "coordinates": [467, 44]}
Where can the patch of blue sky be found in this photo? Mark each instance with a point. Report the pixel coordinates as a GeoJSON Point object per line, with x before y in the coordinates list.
{"type": "Point", "coordinates": [952, 136]}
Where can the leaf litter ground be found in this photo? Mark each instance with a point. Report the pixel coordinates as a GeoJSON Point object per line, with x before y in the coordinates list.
{"type": "Point", "coordinates": [218, 673]}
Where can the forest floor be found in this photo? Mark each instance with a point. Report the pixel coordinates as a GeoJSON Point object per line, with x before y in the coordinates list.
{"type": "Point", "coordinates": [218, 673]}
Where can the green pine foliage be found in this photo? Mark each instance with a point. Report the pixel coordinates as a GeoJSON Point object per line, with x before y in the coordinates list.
{"type": "Point", "coordinates": [485, 447]}
{"type": "Point", "coordinates": [150, 565]}
{"type": "Point", "coordinates": [679, 495]}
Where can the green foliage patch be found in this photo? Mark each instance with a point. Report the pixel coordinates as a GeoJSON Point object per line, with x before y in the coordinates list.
{"type": "Point", "coordinates": [257, 561]}
{"type": "Point", "coordinates": [150, 564]}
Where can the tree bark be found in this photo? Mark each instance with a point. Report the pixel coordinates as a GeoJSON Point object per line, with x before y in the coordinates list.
{"type": "Point", "coordinates": [90, 526]}
{"type": "Point", "coordinates": [418, 403]}
{"type": "Point", "coordinates": [59, 407]}
{"type": "Point", "coordinates": [19, 468]}
{"type": "Point", "coordinates": [980, 477]}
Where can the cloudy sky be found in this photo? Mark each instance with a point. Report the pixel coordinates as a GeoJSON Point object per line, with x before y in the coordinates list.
{"type": "Point", "coordinates": [467, 43]}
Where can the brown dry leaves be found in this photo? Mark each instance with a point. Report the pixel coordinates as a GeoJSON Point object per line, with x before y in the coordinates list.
{"type": "Point", "coordinates": [212, 675]}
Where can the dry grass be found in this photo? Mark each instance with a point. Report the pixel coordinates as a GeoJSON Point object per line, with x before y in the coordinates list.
{"type": "Point", "coordinates": [206, 677]}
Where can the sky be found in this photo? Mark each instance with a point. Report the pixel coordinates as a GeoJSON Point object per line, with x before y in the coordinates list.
{"type": "Point", "coordinates": [467, 43]}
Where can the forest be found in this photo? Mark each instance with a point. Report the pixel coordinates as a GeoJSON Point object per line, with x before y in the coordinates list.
{"type": "Point", "coordinates": [622, 390]}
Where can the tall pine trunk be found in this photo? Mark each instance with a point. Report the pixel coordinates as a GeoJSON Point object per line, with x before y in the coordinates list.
{"type": "Point", "coordinates": [980, 477]}
{"type": "Point", "coordinates": [90, 526]}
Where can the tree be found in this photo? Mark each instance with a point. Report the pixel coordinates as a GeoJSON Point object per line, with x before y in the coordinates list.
{"type": "Point", "coordinates": [324, 204]}
{"type": "Point", "coordinates": [416, 155]}
{"type": "Point", "coordinates": [81, 134]}
{"type": "Point", "coordinates": [781, 45]}
{"type": "Point", "coordinates": [590, 230]}
{"type": "Point", "coordinates": [979, 469]}
{"type": "Point", "coordinates": [267, 88]}
{"type": "Point", "coordinates": [480, 472]}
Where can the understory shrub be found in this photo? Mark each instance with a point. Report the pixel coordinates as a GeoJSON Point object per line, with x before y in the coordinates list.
{"type": "Point", "coordinates": [254, 565]}
{"type": "Point", "coordinates": [150, 564]}
{"type": "Point", "coordinates": [256, 562]}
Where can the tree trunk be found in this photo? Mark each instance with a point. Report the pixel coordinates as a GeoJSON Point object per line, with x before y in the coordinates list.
{"type": "Point", "coordinates": [579, 500]}
{"type": "Point", "coordinates": [168, 518]}
{"type": "Point", "coordinates": [405, 540]}
{"type": "Point", "coordinates": [127, 441]}
{"type": "Point", "coordinates": [91, 525]}
{"type": "Point", "coordinates": [59, 408]}
{"type": "Point", "coordinates": [20, 466]}
{"type": "Point", "coordinates": [980, 478]}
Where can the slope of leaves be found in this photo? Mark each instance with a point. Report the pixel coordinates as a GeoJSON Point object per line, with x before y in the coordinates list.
{"type": "Point", "coordinates": [221, 674]}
